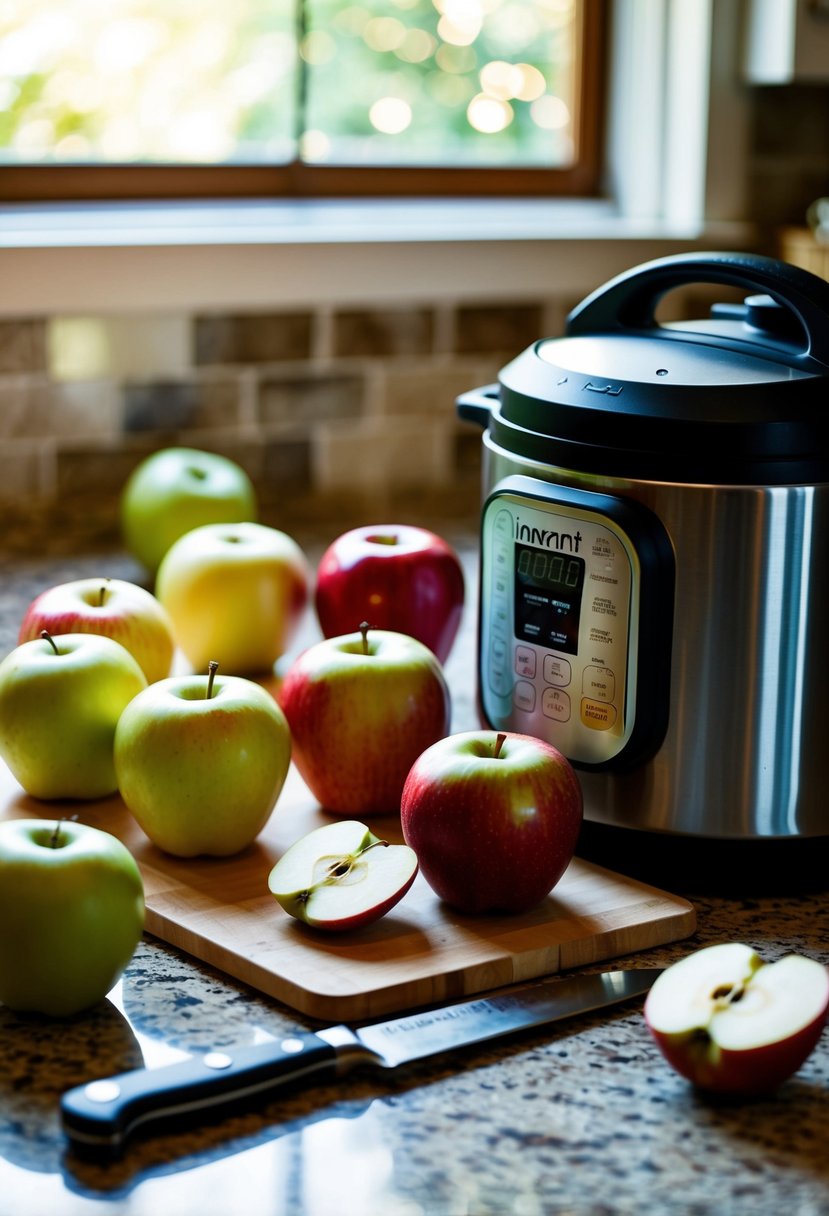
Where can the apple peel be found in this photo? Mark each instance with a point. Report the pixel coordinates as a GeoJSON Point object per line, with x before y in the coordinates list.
{"type": "Point", "coordinates": [341, 876]}
{"type": "Point", "coordinates": [731, 1023]}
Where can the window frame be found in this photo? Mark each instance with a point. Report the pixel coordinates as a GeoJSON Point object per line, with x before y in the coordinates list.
{"type": "Point", "coordinates": [113, 182]}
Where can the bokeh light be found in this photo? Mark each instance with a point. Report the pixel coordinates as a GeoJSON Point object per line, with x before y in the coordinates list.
{"type": "Point", "coordinates": [391, 115]}
{"type": "Point", "coordinates": [443, 82]}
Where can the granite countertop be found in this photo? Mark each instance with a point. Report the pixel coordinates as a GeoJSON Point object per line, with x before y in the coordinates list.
{"type": "Point", "coordinates": [582, 1118]}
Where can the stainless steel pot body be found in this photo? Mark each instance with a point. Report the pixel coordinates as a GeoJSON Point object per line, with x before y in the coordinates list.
{"type": "Point", "coordinates": [744, 753]}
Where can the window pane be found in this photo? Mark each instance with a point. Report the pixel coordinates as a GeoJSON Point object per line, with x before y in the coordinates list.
{"type": "Point", "coordinates": [440, 82]}
{"type": "Point", "coordinates": [181, 81]}
{"type": "Point", "coordinates": [452, 83]}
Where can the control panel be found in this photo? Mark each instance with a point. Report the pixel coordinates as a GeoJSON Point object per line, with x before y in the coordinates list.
{"type": "Point", "coordinates": [561, 599]}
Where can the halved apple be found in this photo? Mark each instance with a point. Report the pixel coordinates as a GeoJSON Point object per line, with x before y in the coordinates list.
{"type": "Point", "coordinates": [342, 876]}
{"type": "Point", "coordinates": [731, 1023]}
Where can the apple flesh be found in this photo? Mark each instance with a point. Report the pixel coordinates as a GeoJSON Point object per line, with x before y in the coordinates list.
{"type": "Point", "coordinates": [730, 1023]}
{"type": "Point", "coordinates": [341, 876]}
{"type": "Point", "coordinates": [494, 819]}
{"type": "Point", "coordinates": [398, 577]}
{"type": "Point", "coordinates": [112, 608]}
{"type": "Point", "coordinates": [72, 911]}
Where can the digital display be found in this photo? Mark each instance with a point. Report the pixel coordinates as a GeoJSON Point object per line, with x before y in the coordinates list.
{"type": "Point", "coordinates": [548, 590]}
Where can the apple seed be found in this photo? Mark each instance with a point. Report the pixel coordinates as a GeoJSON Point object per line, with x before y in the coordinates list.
{"type": "Point", "coordinates": [728, 994]}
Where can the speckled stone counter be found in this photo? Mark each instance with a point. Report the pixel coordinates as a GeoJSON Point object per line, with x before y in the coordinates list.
{"type": "Point", "coordinates": [583, 1118]}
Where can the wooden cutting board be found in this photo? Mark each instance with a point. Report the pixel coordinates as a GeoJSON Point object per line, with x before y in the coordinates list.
{"type": "Point", "coordinates": [221, 912]}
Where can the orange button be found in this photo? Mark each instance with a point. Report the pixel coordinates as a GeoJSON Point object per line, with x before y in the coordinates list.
{"type": "Point", "coordinates": [598, 715]}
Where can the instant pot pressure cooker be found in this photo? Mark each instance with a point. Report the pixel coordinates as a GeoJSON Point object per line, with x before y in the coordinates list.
{"type": "Point", "coordinates": [654, 596]}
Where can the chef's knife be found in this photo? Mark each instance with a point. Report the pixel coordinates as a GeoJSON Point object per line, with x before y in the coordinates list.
{"type": "Point", "coordinates": [103, 1114]}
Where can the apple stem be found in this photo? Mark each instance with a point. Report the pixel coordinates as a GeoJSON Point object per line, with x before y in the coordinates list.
{"type": "Point", "coordinates": [499, 743]}
{"type": "Point", "coordinates": [103, 593]}
{"type": "Point", "coordinates": [47, 637]}
{"type": "Point", "coordinates": [364, 628]}
{"type": "Point", "coordinates": [54, 839]}
{"type": "Point", "coordinates": [212, 668]}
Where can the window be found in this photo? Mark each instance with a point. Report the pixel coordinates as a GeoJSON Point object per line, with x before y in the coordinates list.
{"type": "Point", "coordinates": [188, 98]}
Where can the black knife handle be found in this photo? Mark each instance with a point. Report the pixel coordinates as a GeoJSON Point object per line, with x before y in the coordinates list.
{"type": "Point", "coordinates": [102, 1114]}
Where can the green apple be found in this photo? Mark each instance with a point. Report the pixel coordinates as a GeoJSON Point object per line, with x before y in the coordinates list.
{"type": "Point", "coordinates": [235, 593]}
{"type": "Point", "coordinates": [110, 606]}
{"type": "Point", "coordinates": [361, 708]}
{"type": "Point", "coordinates": [178, 489]}
{"type": "Point", "coordinates": [72, 911]}
{"type": "Point", "coordinates": [342, 876]}
{"type": "Point", "coordinates": [60, 700]}
{"type": "Point", "coordinates": [201, 761]}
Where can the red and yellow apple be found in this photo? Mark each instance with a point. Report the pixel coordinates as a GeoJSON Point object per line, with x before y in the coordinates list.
{"type": "Point", "coordinates": [493, 818]}
{"type": "Point", "coordinates": [112, 608]}
{"type": "Point", "coordinates": [361, 708]}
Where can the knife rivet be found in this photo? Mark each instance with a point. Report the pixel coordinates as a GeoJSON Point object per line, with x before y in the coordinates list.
{"type": "Point", "coordinates": [217, 1059]}
{"type": "Point", "coordinates": [292, 1045]}
{"type": "Point", "coordinates": [103, 1091]}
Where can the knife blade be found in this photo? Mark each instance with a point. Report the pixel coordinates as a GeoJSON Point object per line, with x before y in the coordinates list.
{"type": "Point", "coordinates": [104, 1113]}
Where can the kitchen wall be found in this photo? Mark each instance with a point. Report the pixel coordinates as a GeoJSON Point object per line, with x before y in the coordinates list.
{"type": "Point", "coordinates": [341, 413]}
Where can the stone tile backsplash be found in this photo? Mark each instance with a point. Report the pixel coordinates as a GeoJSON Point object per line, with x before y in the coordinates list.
{"type": "Point", "coordinates": [341, 413]}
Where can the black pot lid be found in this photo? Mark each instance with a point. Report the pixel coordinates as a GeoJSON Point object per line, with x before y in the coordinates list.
{"type": "Point", "coordinates": [741, 396]}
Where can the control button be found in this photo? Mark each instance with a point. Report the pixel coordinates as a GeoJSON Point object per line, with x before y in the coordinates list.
{"type": "Point", "coordinates": [292, 1046]}
{"type": "Point", "coordinates": [217, 1059]}
{"type": "Point", "coordinates": [499, 676]}
{"type": "Point", "coordinates": [523, 696]}
{"type": "Point", "coordinates": [598, 715]}
{"type": "Point", "coordinates": [503, 523]}
{"type": "Point", "coordinates": [557, 671]}
{"type": "Point", "coordinates": [499, 619]}
{"type": "Point", "coordinates": [500, 584]}
{"type": "Point", "coordinates": [599, 682]}
{"type": "Point", "coordinates": [555, 704]}
{"type": "Point", "coordinates": [525, 661]}
{"type": "Point", "coordinates": [102, 1091]}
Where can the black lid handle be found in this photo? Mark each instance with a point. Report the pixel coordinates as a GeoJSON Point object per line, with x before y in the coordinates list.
{"type": "Point", "coordinates": [629, 301]}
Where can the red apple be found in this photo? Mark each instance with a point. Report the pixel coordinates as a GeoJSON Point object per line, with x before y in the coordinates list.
{"type": "Point", "coordinates": [397, 577]}
{"type": "Point", "coordinates": [111, 608]}
{"type": "Point", "coordinates": [731, 1023]}
{"type": "Point", "coordinates": [342, 876]}
{"type": "Point", "coordinates": [494, 819]}
{"type": "Point", "coordinates": [361, 709]}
